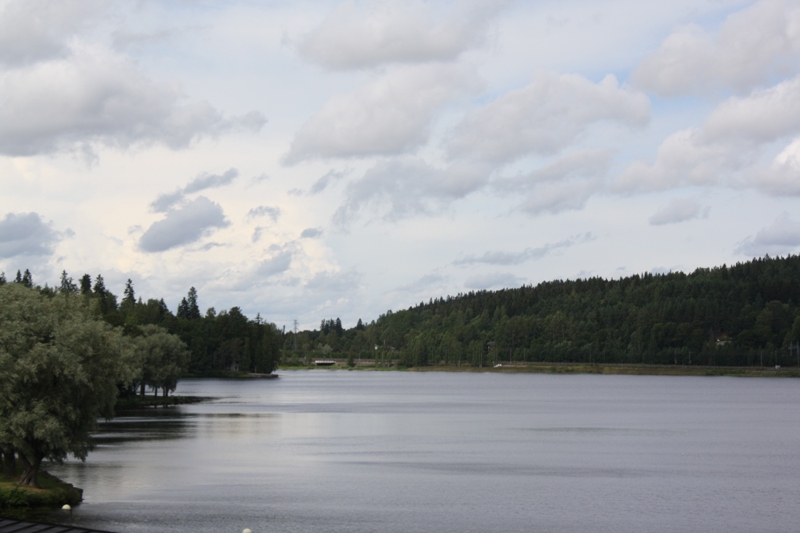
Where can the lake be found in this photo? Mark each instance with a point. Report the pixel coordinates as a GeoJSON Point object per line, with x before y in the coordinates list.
{"type": "Point", "coordinates": [351, 451]}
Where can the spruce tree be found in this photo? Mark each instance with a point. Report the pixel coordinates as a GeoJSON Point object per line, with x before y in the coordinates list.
{"type": "Point", "coordinates": [86, 284]}
{"type": "Point", "coordinates": [192, 310]}
{"type": "Point", "coordinates": [67, 285]}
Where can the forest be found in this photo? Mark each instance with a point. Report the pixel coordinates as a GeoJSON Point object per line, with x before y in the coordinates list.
{"type": "Point", "coordinates": [741, 315]}
{"type": "Point", "coordinates": [217, 342]}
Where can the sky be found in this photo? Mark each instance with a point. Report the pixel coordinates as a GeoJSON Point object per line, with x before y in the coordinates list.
{"type": "Point", "coordinates": [317, 159]}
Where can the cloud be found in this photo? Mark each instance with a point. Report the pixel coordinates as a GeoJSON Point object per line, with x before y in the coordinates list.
{"type": "Point", "coordinates": [334, 282]}
{"type": "Point", "coordinates": [273, 212]}
{"type": "Point", "coordinates": [545, 117]}
{"type": "Point", "coordinates": [207, 181]}
{"type": "Point", "coordinates": [358, 35]}
{"type": "Point", "coordinates": [94, 97]}
{"type": "Point", "coordinates": [782, 237]}
{"type": "Point", "coordinates": [26, 234]}
{"type": "Point", "coordinates": [388, 116]}
{"type": "Point", "coordinates": [782, 178]}
{"type": "Point", "coordinates": [321, 184]}
{"type": "Point", "coordinates": [762, 117]}
{"type": "Point", "coordinates": [183, 226]}
{"type": "Point", "coordinates": [257, 234]}
{"type": "Point", "coordinates": [752, 47]}
{"type": "Point", "coordinates": [422, 284]}
{"type": "Point", "coordinates": [410, 187]}
{"type": "Point", "coordinates": [727, 143]}
{"type": "Point", "coordinates": [37, 30]}
{"type": "Point", "coordinates": [497, 280]}
{"type": "Point", "coordinates": [576, 165]}
{"type": "Point", "coordinates": [311, 233]}
{"type": "Point", "coordinates": [528, 254]}
{"type": "Point", "coordinates": [679, 210]}
{"type": "Point", "coordinates": [203, 181]}
{"type": "Point", "coordinates": [259, 179]}
{"type": "Point", "coordinates": [565, 183]}
{"type": "Point", "coordinates": [558, 197]}
{"type": "Point", "coordinates": [684, 158]}
{"type": "Point", "coordinates": [164, 201]}
{"type": "Point", "coordinates": [275, 265]}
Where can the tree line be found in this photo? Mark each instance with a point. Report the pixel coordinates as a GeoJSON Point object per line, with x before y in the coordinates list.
{"type": "Point", "coordinates": [741, 315]}
{"type": "Point", "coordinates": [68, 352]}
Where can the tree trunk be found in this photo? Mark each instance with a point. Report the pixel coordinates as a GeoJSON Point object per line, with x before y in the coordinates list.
{"type": "Point", "coordinates": [30, 472]}
{"type": "Point", "coordinates": [10, 463]}
{"type": "Point", "coordinates": [142, 389]}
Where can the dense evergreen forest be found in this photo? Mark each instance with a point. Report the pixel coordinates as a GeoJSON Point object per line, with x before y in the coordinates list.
{"type": "Point", "coordinates": [217, 341]}
{"type": "Point", "coordinates": [742, 315]}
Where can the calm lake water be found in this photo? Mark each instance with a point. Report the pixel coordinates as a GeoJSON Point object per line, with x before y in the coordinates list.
{"type": "Point", "coordinates": [338, 451]}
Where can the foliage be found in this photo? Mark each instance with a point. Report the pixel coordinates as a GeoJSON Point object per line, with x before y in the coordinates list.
{"type": "Point", "coordinates": [59, 369]}
{"type": "Point", "coordinates": [742, 315]}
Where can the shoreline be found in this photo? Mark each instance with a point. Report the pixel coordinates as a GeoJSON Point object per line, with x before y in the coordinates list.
{"type": "Point", "coordinates": [579, 368]}
{"type": "Point", "coordinates": [21, 502]}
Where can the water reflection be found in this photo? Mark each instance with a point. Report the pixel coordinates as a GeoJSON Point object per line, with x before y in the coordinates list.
{"type": "Point", "coordinates": [335, 451]}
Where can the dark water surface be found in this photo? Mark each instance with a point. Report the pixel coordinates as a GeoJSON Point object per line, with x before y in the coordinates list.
{"type": "Point", "coordinates": [339, 451]}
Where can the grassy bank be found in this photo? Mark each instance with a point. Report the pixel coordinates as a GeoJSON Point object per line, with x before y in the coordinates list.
{"type": "Point", "coordinates": [26, 502]}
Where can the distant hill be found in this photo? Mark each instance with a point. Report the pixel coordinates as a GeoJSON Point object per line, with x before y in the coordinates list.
{"type": "Point", "coordinates": [742, 315]}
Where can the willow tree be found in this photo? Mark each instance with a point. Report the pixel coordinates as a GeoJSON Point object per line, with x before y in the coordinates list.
{"type": "Point", "coordinates": [59, 369]}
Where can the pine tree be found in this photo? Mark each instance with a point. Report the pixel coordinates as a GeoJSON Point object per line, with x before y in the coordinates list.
{"type": "Point", "coordinates": [67, 285]}
{"type": "Point", "coordinates": [27, 279]}
{"type": "Point", "coordinates": [129, 297]}
{"type": "Point", "coordinates": [2, 278]}
{"type": "Point", "coordinates": [18, 279]}
{"type": "Point", "coordinates": [183, 309]}
{"type": "Point", "coordinates": [86, 284]}
{"type": "Point", "coordinates": [99, 288]}
{"type": "Point", "coordinates": [192, 310]}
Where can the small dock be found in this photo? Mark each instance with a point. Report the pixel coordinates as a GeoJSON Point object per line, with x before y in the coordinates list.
{"type": "Point", "coordinates": [18, 526]}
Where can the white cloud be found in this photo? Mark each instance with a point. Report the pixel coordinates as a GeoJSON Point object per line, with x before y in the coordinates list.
{"type": "Point", "coordinates": [728, 142]}
{"type": "Point", "coordinates": [761, 117]}
{"type": "Point", "coordinates": [684, 158]}
{"type": "Point", "coordinates": [26, 234]}
{"type": "Point", "coordinates": [390, 115]}
{"type": "Point", "coordinates": [203, 181]}
{"type": "Point", "coordinates": [271, 211]}
{"type": "Point", "coordinates": [409, 186]}
{"type": "Point", "coordinates": [751, 48]}
{"type": "Point", "coordinates": [357, 35]}
{"type": "Point", "coordinates": [37, 30]}
{"type": "Point", "coordinates": [565, 183]}
{"type": "Point", "coordinates": [679, 210]}
{"type": "Point", "coordinates": [783, 176]}
{"type": "Point", "coordinates": [208, 181]}
{"type": "Point", "coordinates": [275, 265]}
{"type": "Point", "coordinates": [782, 237]}
{"type": "Point", "coordinates": [322, 183]}
{"type": "Point", "coordinates": [528, 254]}
{"type": "Point", "coordinates": [497, 280]}
{"type": "Point", "coordinates": [334, 282]}
{"type": "Point", "coordinates": [183, 226]}
{"type": "Point", "coordinates": [545, 117]}
{"type": "Point", "coordinates": [96, 97]}
{"type": "Point", "coordinates": [558, 197]}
